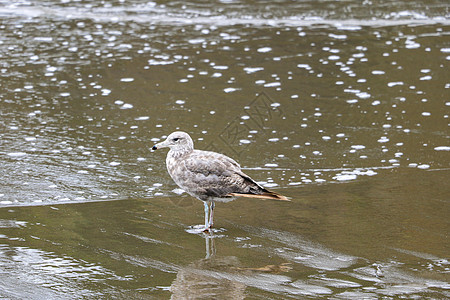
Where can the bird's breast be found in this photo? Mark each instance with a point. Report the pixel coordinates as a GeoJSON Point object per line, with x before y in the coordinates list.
{"type": "Point", "coordinates": [171, 164]}
{"type": "Point", "coordinates": [177, 170]}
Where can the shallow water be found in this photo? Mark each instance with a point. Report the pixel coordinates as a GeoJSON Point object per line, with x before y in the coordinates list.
{"type": "Point", "coordinates": [342, 106]}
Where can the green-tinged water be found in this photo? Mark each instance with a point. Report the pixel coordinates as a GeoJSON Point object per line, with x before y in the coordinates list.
{"type": "Point", "coordinates": [341, 106]}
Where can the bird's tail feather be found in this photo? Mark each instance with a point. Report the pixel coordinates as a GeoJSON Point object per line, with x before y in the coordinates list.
{"type": "Point", "coordinates": [265, 195]}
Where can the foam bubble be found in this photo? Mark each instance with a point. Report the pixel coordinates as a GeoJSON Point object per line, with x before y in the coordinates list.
{"type": "Point", "coordinates": [423, 166]}
{"type": "Point", "coordinates": [250, 70]}
{"type": "Point", "coordinates": [264, 49]}
{"type": "Point", "coordinates": [442, 148]}
{"type": "Point", "coordinates": [345, 177]}
{"type": "Point", "coordinates": [358, 147]}
{"type": "Point", "coordinates": [16, 154]}
{"type": "Point", "coordinates": [126, 106]}
{"type": "Point", "coordinates": [271, 165]}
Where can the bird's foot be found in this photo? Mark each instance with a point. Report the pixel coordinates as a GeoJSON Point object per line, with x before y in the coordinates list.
{"type": "Point", "coordinates": [199, 229]}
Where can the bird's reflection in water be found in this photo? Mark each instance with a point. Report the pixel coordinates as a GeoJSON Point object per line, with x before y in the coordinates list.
{"type": "Point", "coordinates": [209, 244]}
{"type": "Point", "coordinates": [220, 277]}
{"type": "Point", "coordinates": [207, 278]}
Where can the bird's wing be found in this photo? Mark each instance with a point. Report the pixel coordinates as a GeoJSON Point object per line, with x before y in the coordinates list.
{"type": "Point", "coordinates": [211, 173]}
{"type": "Point", "coordinates": [207, 162]}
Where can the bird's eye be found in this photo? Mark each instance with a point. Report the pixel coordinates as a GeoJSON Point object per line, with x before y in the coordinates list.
{"type": "Point", "coordinates": [176, 139]}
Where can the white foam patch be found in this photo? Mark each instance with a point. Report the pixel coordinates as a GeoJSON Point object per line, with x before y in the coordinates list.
{"type": "Point", "coordinates": [358, 147]}
{"type": "Point", "coordinates": [250, 70]}
{"type": "Point", "coordinates": [442, 148]}
{"type": "Point", "coordinates": [345, 177]}
{"type": "Point", "coordinates": [16, 154]}
{"type": "Point", "coordinates": [423, 166]}
{"type": "Point", "coordinates": [264, 49]}
{"type": "Point", "coordinates": [353, 174]}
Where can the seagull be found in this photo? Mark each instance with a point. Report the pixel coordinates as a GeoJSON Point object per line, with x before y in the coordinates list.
{"type": "Point", "coordinates": [209, 176]}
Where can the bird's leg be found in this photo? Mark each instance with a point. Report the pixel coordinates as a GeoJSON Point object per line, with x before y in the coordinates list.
{"type": "Point", "coordinates": [206, 215]}
{"type": "Point", "coordinates": [211, 214]}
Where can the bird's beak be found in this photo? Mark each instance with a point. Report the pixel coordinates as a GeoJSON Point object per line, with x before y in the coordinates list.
{"type": "Point", "coordinates": [160, 145]}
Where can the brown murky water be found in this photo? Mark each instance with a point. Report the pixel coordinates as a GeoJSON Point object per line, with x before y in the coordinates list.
{"type": "Point", "coordinates": [342, 106]}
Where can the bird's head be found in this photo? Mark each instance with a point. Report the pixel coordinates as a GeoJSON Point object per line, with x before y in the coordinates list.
{"type": "Point", "coordinates": [176, 141]}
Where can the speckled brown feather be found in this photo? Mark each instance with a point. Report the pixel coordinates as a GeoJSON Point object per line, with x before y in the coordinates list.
{"type": "Point", "coordinates": [207, 175]}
